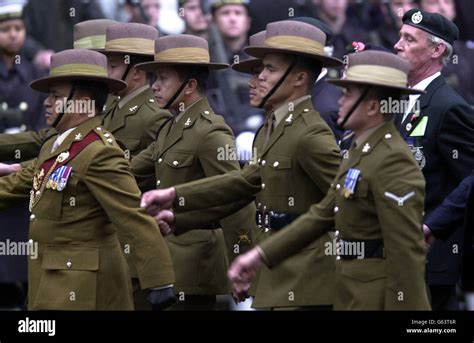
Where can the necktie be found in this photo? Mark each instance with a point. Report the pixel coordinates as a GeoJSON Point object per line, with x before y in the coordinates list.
{"type": "Point", "coordinates": [269, 126]}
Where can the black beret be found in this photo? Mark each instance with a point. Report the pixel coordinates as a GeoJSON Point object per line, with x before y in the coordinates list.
{"type": "Point", "coordinates": [433, 23]}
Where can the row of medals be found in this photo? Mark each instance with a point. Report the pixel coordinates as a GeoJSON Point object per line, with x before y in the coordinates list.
{"type": "Point", "coordinates": [38, 179]}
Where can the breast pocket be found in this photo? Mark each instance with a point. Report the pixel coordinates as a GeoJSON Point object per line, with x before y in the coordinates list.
{"type": "Point", "coordinates": [179, 167]}
{"type": "Point", "coordinates": [357, 209]}
{"type": "Point", "coordinates": [68, 278]}
{"type": "Point", "coordinates": [277, 174]}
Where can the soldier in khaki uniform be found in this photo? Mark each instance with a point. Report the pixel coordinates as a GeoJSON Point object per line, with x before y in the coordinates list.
{"type": "Point", "coordinates": [375, 202]}
{"type": "Point", "coordinates": [295, 166]}
{"type": "Point", "coordinates": [76, 211]}
{"type": "Point", "coordinates": [188, 149]}
{"type": "Point", "coordinates": [89, 34]}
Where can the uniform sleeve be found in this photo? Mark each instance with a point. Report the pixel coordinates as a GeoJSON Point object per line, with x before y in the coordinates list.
{"type": "Point", "coordinates": [17, 186]}
{"type": "Point", "coordinates": [218, 190]}
{"type": "Point", "coordinates": [456, 140]}
{"type": "Point", "coordinates": [142, 167]}
{"type": "Point", "coordinates": [300, 233]}
{"type": "Point", "coordinates": [320, 164]}
{"type": "Point", "coordinates": [23, 146]}
{"type": "Point", "coordinates": [401, 226]}
{"type": "Point", "coordinates": [109, 180]}
{"type": "Point", "coordinates": [449, 216]}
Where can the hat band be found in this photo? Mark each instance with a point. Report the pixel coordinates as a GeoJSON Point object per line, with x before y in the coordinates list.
{"type": "Point", "coordinates": [378, 74]}
{"type": "Point", "coordinates": [295, 43]}
{"type": "Point", "coordinates": [183, 55]}
{"type": "Point", "coordinates": [78, 69]}
{"type": "Point", "coordinates": [91, 42]}
{"type": "Point", "coordinates": [10, 16]}
{"type": "Point", "coordinates": [133, 45]}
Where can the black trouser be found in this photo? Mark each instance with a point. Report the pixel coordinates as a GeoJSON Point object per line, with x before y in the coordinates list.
{"type": "Point", "coordinates": [443, 298]}
{"type": "Point", "coordinates": [13, 296]}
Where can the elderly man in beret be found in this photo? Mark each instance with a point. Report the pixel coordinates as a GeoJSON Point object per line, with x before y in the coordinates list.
{"type": "Point", "coordinates": [439, 129]}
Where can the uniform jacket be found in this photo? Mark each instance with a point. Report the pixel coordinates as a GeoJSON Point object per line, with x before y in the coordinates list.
{"type": "Point", "coordinates": [188, 150]}
{"type": "Point", "coordinates": [80, 264]}
{"type": "Point", "coordinates": [387, 204]}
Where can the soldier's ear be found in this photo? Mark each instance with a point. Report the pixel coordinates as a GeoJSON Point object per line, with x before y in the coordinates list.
{"type": "Point", "coordinates": [191, 87]}
{"type": "Point", "coordinates": [301, 79]}
{"type": "Point", "coordinates": [373, 107]}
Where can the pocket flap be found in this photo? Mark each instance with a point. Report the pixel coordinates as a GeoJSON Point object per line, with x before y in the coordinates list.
{"type": "Point", "coordinates": [70, 258]}
{"type": "Point", "coordinates": [179, 159]}
{"type": "Point", "coordinates": [364, 270]}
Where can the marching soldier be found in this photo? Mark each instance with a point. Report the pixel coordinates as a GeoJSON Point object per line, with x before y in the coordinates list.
{"type": "Point", "coordinates": [23, 146]}
{"type": "Point", "coordinates": [297, 160]}
{"type": "Point", "coordinates": [83, 267]}
{"type": "Point", "coordinates": [191, 146]}
{"type": "Point", "coordinates": [375, 202]}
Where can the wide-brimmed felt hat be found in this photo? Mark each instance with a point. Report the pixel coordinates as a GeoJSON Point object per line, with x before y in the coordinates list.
{"type": "Point", "coordinates": [377, 68]}
{"type": "Point", "coordinates": [181, 50]}
{"type": "Point", "coordinates": [295, 38]}
{"type": "Point", "coordinates": [90, 34]}
{"type": "Point", "coordinates": [246, 66]}
{"type": "Point", "coordinates": [77, 65]}
{"type": "Point", "coordinates": [131, 38]}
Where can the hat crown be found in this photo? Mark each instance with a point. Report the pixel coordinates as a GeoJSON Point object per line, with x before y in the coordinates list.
{"type": "Point", "coordinates": [78, 57]}
{"type": "Point", "coordinates": [90, 34]}
{"type": "Point", "coordinates": [378, 58]}
{"type": "Point", "coordinates": [295, 29]}
{"type": "Point", "coordinates": [131, 38]}
{"type": "Point", "coordinates": [182, 49]}
{"type": "Point", "coordinates": [258, 39]}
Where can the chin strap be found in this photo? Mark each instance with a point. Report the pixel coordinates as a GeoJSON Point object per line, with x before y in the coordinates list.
{"type": "Point", "coordinates": [61, 114]}
{"type": "Point", "coordinates": [277, 85]}
{"type": "Point", "coordinates": [354, 107]}
{"type": "Point", "coordinates": [180, 89]}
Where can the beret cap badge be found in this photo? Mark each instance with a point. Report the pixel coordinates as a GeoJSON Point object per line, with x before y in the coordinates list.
{"type": "Point", "coordinates": [417, 17]}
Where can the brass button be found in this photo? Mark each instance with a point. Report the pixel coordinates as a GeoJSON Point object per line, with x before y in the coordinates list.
{"type": "Point", "coordinates": [32, 217]}
{"type": "Point", "coordinates": [263, 186]}
{"type": "Point", "coordinates": [336, 209]}
{"type": "Point", "coordinates": [160, 160]}
{"type": "Point", "coordinates": [69, 264]}
{"type": "Point", "coordinates": [175, 163]}
{"type": "Point", "coordinates": [276, 164]}
{"type": "Point", "coordinates": [264, 162]}
{"type": "Point", "coordinates": [158, 183]}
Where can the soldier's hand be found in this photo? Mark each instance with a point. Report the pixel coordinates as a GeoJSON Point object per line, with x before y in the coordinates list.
{"type": "Point", "coordinates": [6, 169]}
{"type": "Point", "coordinates": [161, 299]}
{"type": "Point", "coordinates": [166, 221]}
{"type": "Point", "coordinates": [155, 201]}
{"type": "Point", "coordinates": [244, 268]}
{"type": "Point", "coordinates": [429, 237]}
{"type": "Point", "coordinates": [240, 291]}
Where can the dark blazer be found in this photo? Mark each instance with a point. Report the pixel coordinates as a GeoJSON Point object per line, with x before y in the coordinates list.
{"type": "Point", "coordinates": [457, 210]}
{"type": "Point", "coordinates": [325, 97]}
{"type": "Point", "coordinates": [445, 152]}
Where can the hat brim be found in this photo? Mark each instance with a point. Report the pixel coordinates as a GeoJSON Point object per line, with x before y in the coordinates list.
{"type": "Point", "coordinates": [44, 84]}
{"type": "Point", "coordinates": [345, 83]}
{"type": "Point", "coordinates": [260, 52]}
{"type": "Point", "coordinates": [246, 66]}
{"type": "Point", "coordinates": [152, 66]}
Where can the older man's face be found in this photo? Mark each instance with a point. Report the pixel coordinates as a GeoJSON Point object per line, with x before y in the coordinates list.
{"type": "Point", "coordinates": [413, 46]}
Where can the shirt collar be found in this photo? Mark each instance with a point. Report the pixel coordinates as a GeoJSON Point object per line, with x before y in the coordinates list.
{"type": "Point", "coordinates": [130, 96]}
{"type": "Point", "coordinates": [62, 137]}
{"type": "Point", "coordinates": [423, 84]}
{"type": "Point", "coordinates": [281, 111]}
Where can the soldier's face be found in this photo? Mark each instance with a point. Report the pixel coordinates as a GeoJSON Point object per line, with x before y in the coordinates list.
{"type": "Point", "coordinates": [116, 66]}
{"type": "Point", "coordinates": [350, 95]}
{"type": "Point", "coordinates": [414, 47]}
{"type": "Point", "coordinates": [12, 36]}
{"type": "Point", "coordinates": [274, 66]}
{"type": "Point", "coordinates": [166, 85]}
{"type": "Point", "coordinates": [254, 95]}
{"type": "Point", "coordinates": [232, 21]}
{"type": "Point", "coordinates": [193, 16]}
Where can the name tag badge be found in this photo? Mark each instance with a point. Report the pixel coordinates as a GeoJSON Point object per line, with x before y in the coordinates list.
{"type": "Point", "coordinates": [350, 183]}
